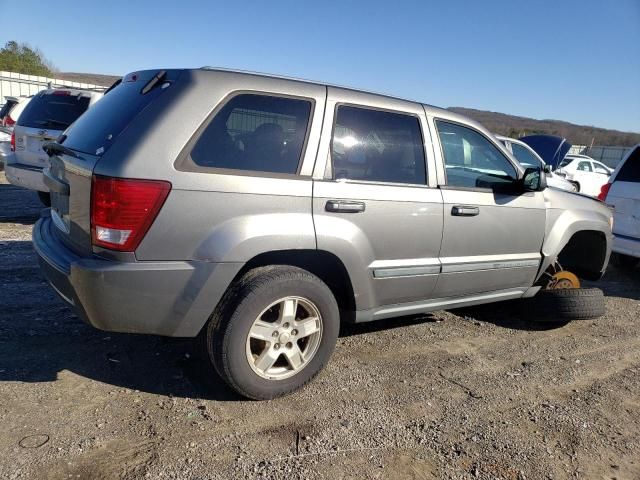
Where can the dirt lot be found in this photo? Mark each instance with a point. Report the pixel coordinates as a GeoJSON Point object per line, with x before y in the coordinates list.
{"type": "Point", "coordinates": [466, 394]}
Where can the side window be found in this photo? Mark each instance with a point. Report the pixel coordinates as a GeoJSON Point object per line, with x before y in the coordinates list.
{"type": "Point", "coordinates": [259, 133]}
{"type": "Point", "coordinates": [471, 160]}
{"type": "Point", "coordinates": [599, 168]}
{"type": "Point", "coordinates": [525, 157]}
{"type": "Point", "coordinates": [630, 171]}
{"type": "Point", "coordinates": [377, 146]}
{"type": "Point", "coordinates": [585, 167]}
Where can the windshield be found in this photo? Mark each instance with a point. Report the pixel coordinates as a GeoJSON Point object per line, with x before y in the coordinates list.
{"type": "Point", "coordinates": [526, 158]}
{"type": "Point", "coordinates": [53, 110]}
{"type": "Point", "coordinates": [96, 131]}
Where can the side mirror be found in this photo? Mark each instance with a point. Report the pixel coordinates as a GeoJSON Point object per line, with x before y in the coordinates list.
{"type": "Point", "coordinates": [534, 180]}
{"type": "Point", "coordinates": [547, 169]}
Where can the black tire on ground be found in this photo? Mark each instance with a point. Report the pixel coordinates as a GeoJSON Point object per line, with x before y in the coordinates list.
{"type": "Point", "coordinates": [562, 305]}
{"type": "Point", "coordinates": [577, 185]}
{"type": "Point", "coordinates": [45, 198]}
{"type": "Point", "coordinates": [226, 332]}
{"type": "Point", "coordinates": [624, 261]}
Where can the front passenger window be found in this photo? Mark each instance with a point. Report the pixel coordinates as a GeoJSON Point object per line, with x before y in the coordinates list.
{"type": "Point", "coordinates": [471, 160]}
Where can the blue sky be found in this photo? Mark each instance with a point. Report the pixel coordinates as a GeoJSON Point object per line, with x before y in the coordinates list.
{"type": "Point", "coordinates": [577, 61]}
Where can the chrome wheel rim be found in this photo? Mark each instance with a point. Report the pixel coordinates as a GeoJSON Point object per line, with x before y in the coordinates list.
{"type": "Point", "coordinates": [284, 338]}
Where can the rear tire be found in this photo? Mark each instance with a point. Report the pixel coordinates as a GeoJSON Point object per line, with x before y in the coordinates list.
{"type": "Point", "coordinates": [562, 305]}
{"type": "Point", "coordinates": [624, 261]}
{"type": "Point", "coordinates": [45, 198]}
{"type": "Point", "coordinates": [257, 304]}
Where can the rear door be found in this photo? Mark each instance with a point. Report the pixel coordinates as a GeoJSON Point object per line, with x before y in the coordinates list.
{"type": "Point", "coordinates": [492, 234]}
{"type": "Point", "coordinates": [43, 120]}
{"type": "Point", "coordinates": [624, 196]}
{"type": "Point", "coordinates": [83, 145]}
{"type": "Point", "coordinates": [373, 206]}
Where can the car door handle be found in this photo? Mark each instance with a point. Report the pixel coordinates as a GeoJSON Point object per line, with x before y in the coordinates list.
{"type": "Point", "coordinates": [344, 206]}
{"type": "Point", "coordinates": [465, 211]}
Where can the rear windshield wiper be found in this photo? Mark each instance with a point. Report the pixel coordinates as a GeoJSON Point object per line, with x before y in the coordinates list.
{"type": "Point", "coordinates": [52, 121]}
{"type": "Point", "coordinates": [53, 147]}
{"type": "Point", "coordinates": [157, 78]}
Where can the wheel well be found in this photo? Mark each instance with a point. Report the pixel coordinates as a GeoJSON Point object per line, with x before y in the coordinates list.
{"type": "Point", "coordinates": [322, 264]}
{"type": "Point", "coordinates": [585, 254]}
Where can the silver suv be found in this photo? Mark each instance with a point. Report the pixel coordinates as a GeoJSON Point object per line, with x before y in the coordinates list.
{"type": "Point", "coordinates": [259, 212]}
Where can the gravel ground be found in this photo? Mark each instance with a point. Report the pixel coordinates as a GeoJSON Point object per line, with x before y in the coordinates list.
{"type": "Point", "coordinates": [475, 393]}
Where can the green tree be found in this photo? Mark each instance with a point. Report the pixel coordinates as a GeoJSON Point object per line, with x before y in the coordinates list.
{"type": "Point", "coordinates": [21, 58]}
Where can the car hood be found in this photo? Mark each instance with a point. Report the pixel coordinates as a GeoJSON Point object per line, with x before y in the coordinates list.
{"type": "Point", "coordinates": [552, 149]}
{"type": "Point", "coordinates": [566, 200]}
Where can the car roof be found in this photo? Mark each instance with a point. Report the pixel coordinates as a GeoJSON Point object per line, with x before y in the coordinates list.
{"type": "Point", "coordinates": [72, 91]}
{"type": "Point", "coordinates": [432, 108]}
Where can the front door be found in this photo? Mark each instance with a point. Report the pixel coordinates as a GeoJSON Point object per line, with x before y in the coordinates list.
{"type": "Point", "coordinates": [492, 234]}
{"type": "Point", "coordinates": [373, 205]}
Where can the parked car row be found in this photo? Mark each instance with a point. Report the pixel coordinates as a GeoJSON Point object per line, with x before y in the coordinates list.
{"type": "Point", "coordinates": [257, 213]}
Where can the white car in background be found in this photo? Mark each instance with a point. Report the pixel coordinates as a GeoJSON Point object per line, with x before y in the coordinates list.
{"type": "Point", "coordinates": [48, 114]}
{"type": "Point", "coordinates": [9, 114]}
{"type": "Point", "coordinates": [588, 174]}
{"type": "Point", "coordinates": [622, 192]}
{"type": "Point", "coordinates": [529, 158]}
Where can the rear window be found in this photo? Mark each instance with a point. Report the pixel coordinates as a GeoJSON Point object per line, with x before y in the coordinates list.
{"type": "Point", "coordinates": [6, 108]}
{"type": "Point", "coordinates": [261, 133]}
{"type": "Point", "coordinates": [53, 111]}
{"type": "Point", "coordinates": [98, 129]}
{"type": "Point", "coordinates": [630, 171]}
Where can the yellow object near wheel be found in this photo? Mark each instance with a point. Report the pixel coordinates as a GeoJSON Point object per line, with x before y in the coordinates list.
{"type": "Point", "coordinates": [563, 279]}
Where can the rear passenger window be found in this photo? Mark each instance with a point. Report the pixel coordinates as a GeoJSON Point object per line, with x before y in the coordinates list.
{"type": "Point", "coordinates": [259, 133]}
{"type": "Point", "coordinates": [378, 146]}
{"type": "Point", "coordinates": [630, 171]}
{"type": "Point", "coordinates": [471, 160]}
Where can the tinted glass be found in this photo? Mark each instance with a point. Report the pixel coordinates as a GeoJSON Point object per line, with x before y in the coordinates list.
{"type": "Point", "coordinates": [471, 160]}
{"type": "Point", "coordinates": [255, 132]}
{"type": "Point", "coordinates": [6, 108]}
{"type": "Point", "coordinates": [107, 118]}
{"type": "Point", "coordinates": [630, 171]}
{"type": "Point", "coordinates": [377, 146]}
{"type": "Point", "coordinates": [525, 157]}
{"type": "Point", "coordinates": [53, 111]}
{"type": "Point", "coordinates": [585, 167]}
{"type": "Point", "coordinates": [565, 162]}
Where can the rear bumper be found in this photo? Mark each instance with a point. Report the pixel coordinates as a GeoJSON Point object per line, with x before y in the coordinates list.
{"type": "Point", "coordinates": [24, 175]}
{"type": "Point", "coordinates": [626, 245]}
{"type": "Point", "coordinates": [162, 298]}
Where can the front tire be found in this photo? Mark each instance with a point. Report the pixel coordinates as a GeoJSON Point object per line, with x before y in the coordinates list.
{"type": "Point", "coordinates": [273, 331]}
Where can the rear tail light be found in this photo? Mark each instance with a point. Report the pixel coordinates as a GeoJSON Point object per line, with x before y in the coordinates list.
{"type": "Point", "coordinates": [8, 121]}
{"type": "Point", "coordinates": [604, 191]}
{"type": "Point", "coordinates": [122, 210]}
{"type": "Point", "coordinates": [13, 141]}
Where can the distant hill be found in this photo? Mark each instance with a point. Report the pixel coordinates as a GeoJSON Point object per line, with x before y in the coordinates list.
{"type": "Point", "coordinates": [513, 126]}
{"type": "Point", "coordinates": [93, 78]}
